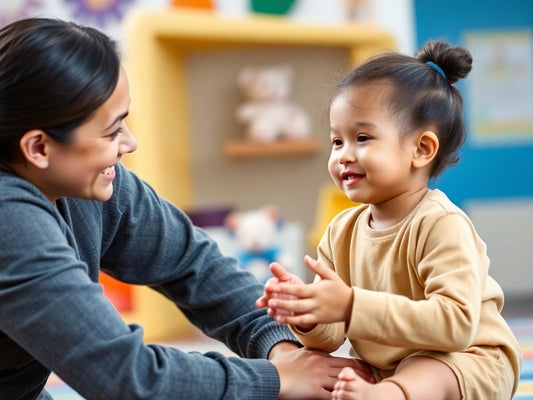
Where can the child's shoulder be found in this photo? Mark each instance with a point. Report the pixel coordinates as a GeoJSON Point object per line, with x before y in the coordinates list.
{"type": "Point", "coordinates": [437, 203]}
{"type": "Point", "coordinates": [436, 209]}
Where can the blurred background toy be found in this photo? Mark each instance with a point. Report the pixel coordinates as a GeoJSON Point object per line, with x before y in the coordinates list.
{"type": "Point", "coordinates": [359, 10]}
{"type": "Point", "coordinates": [267, 113]}
{"type": "Point", "coordinates": [256, 235]}
{"type": "Point", "coordinates": [274, 7]}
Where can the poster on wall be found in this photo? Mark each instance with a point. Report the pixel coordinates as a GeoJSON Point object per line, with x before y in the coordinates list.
{"type": "Point", "coordinates": [99, 12]}
{"type": "Point", "coordinates": [501, 91]}
{"type": "Point", "coordinates": [16, 9]}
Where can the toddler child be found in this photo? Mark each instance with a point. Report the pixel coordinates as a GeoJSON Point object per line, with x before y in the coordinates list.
{"type": "Point", "coordinates": [405, 275]}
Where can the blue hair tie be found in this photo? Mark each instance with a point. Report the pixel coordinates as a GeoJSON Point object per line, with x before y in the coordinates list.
{"type": "Point", "coordinates": [436, 68]}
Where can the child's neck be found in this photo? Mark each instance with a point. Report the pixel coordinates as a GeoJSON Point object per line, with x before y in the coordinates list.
{"type": "Point", "coordinates": [387, 214]}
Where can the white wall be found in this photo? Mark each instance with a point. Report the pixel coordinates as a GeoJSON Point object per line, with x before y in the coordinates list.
{"type": "Point", "coordinates": [396, 16]}
{"type": "Point", "coordinates": [506, 226]}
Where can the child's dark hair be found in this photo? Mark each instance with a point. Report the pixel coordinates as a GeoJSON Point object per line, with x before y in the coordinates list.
{"type": "Point", "coordinates": [422, 94]}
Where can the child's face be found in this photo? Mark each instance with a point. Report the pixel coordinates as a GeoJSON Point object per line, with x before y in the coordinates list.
{"type": "Point", "coordinates": [85, 167]}
{"type": "Point", "coordinates": [368, 160]}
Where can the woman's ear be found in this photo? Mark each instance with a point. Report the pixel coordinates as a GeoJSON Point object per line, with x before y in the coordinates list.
{"type": "Point", "coordinates": [35, 148]}
{"type": "Point", "coordinates": [427, 146]}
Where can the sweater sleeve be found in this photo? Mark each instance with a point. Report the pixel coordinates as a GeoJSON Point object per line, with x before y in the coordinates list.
{"type": "Point", "coordinates": [56, 318]}
{"type": "Point", "coordinates": [149, 241]}
{"type": "Point", "coordinates": [452, 270]}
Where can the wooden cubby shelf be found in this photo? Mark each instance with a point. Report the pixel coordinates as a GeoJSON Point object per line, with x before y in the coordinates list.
{"type": "Point", "coordinates": [159, 45]}
{"type": "Point", "coordinates": [181, 66]}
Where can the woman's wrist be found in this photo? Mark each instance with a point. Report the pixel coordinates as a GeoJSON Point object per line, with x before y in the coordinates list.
{"type": "Point", "coordinates": [282, 347]}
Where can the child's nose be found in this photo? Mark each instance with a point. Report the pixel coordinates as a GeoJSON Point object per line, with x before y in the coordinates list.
{"type": "Point", "coordinates": [347, 155]}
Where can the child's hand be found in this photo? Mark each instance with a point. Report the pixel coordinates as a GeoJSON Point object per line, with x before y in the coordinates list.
{"type": "Point", "coordinates": [328, 300]}
{"type": "Point", "coordinates": [281, 275]}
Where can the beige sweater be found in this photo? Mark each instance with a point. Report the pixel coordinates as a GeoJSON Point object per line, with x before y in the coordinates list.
{"type": "Point", "coordinates": [422, 284]}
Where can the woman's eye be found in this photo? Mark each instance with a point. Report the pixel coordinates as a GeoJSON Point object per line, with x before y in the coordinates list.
{"type": "Point", "coordinates": [115, 133]}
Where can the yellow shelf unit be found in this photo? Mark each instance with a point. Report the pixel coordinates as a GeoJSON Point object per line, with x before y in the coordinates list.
{"type": "Point", "coordinates": [158, 45]}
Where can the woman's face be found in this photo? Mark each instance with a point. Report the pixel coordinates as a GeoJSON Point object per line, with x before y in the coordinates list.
{"type": "Point", "coordinates": [85, 168]}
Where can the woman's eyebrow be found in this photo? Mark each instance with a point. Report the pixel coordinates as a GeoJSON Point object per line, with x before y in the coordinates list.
{"type": "Point", "coordinates": [118, 119]}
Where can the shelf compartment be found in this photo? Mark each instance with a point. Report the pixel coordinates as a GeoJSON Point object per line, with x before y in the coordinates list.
{"type": "Point", "coordinates": [240, 149]}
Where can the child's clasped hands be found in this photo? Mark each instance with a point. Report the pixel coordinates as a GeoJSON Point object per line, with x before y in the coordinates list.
{"type": "Point", "coordinates": [291, 301]}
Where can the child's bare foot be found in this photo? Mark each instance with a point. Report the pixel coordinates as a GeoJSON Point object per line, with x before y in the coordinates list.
{"type": "Point", "coordinates": [350, 386]}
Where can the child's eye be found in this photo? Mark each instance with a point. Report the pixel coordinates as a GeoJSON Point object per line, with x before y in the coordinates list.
{"type": "Point", "coordinates": [362, 137]}
{"type": "Point", "coordinates": [336, 142]}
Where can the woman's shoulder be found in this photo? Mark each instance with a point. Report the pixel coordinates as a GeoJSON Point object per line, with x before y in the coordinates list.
{"type": "Point", "coordinates": [16, 190]}
{"type": "Point", "coordinates": [28, 218]}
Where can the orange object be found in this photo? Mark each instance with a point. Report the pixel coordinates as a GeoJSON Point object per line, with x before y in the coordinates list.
{"type": "Point", "coordinates": [205, 4]}
{"type": "Point", "coordinates": [119, 293]}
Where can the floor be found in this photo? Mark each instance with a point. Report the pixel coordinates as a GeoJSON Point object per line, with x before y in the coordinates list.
{"type": "Point", "coordinates": [517, 311]}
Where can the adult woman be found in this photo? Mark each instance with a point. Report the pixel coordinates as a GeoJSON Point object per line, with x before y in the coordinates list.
{"type": "Point", "coordinates": [68, 208]}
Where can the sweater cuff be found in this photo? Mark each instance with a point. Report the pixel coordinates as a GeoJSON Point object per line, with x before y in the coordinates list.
{"type": "Point", "coordinates": [278, 333]}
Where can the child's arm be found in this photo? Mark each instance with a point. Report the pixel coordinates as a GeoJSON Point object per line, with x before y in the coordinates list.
{"type": "Point", "coordinates": [325, 301]}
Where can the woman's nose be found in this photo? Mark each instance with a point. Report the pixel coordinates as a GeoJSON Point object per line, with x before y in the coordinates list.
{"type": "Point", "coordinates": [128, 143]}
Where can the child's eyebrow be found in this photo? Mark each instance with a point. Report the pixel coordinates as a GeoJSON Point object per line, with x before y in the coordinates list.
{"type": "Point", "coordinates": [364, 124]}
{"type": "Point", "coordinates": [357, 124]}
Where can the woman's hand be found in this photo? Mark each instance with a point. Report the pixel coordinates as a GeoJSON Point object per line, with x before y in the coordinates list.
{"type": "Point", "coordinates": [311, 374]}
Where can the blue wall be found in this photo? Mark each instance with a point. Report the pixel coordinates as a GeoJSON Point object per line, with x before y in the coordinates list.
{"type": "Point", "coordinates": [484, 172]}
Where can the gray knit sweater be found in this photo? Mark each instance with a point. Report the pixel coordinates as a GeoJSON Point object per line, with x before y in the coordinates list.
{"type": "Point", "coordinates": [54, 317]}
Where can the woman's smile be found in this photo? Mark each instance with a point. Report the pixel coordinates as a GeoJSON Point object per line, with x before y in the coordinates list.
{"type": "Point", "coordinates": [109, 173]}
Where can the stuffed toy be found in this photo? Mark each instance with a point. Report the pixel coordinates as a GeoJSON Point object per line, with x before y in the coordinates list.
{"type": "Point", "coordinates": [256, 233]}
{"type": "Point", "coordinates": [267, 114]}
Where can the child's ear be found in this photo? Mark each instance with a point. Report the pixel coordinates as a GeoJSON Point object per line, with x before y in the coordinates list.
{"type": "Point", "coordinates": [35, 148]}
{"type": "Point", "coordinates": [427, 145]}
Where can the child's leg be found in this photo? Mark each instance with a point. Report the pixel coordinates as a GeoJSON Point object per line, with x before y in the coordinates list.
{"type": "Point", "coordinates": [417, 378]}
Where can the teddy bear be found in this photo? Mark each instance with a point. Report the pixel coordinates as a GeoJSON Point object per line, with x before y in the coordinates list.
{"type": "Point", "coordinates": [256, 233]}
{"type": "Point", "coordinates": [267, 114]}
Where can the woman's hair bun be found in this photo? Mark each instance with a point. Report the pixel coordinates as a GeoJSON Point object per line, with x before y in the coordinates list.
{"type": "Point", "coordinates": [455, 61]}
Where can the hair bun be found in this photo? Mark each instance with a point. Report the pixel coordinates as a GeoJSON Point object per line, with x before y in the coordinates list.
{"type": "Point", "coordinates": [455, 61]}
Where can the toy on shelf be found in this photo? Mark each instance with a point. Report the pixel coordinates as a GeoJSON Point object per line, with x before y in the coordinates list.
{"type": "Point", "coordinates": [359, 10]}
{"type": "Point", "coordinates": [275, 7]}
{"type": "Point", "coordinates": [267, 113]}
{"type": "Point", "coordinates": [256, 235]}
{"type": "Point", "coordinates": [200, 4]}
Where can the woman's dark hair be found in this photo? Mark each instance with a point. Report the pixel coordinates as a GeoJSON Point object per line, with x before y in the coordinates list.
{"type": "Point", "coordinates": [53, 76]}
{"type": "Point", "coordinates": [422, 94]}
